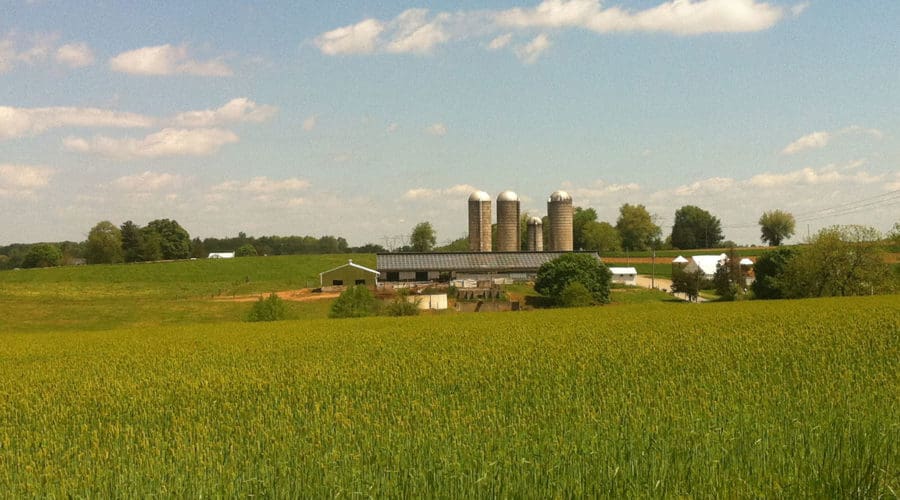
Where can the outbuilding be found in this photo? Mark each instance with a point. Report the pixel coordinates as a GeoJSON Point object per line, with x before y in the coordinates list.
{"type": "Point", "coordinates": [624, 275]}
{"type": "Point", "coordinates": [221, 255]}
{"type": "Point", "coordinates": [479, 266]}
{"type": "Point", "coordinates": [348, 275]}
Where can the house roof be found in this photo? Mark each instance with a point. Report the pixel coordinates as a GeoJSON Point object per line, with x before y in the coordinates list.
{"type": "Point", "coordinates": [680, 260]}
{"type": "Point", "coordinates": [623, 270]}
{"type": "Point", "coordinates": [350, 263]}
{"type": "Point", "coordinates": [468, 261]}
{"type": "Point", "coordinates": [746, 262]}
{"type": "Point", "coordinates": [708, 263]}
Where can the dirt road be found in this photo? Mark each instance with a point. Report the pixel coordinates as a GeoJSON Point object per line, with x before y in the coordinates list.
{"type": "Point", "coordinates": [662, 284]}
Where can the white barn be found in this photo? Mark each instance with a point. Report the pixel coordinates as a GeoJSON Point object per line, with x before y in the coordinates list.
{"type": "Point", "coordinates": [707, 264]}
{"type": "Point", "coordinates": [221, 255]}
{"type": "Point", "coordinates": [624, 275]}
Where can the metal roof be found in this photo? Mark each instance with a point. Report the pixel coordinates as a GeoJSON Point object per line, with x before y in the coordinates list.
{"type": "Point", "coordinates": [479, 196]}
{"type": "Point", "coordinates": [350, 263]}
{"type": "Point", "coordinates": [468, 261]}
{"type": "Point", "coordinates": [508, 196]}
{"type": "Point", "coordinates": [623, 270]}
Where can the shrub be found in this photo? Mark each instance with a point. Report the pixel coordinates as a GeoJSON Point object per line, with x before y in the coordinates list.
{"type": "Point", "coordinates": [401, 306]}
{"type": "Point", "coordinates": [553, 276]}
{"type": "Point", "coordinates": [575, 295]}
{"type": "Point", "coordinates": [355, 302]}
{"type": "Point", "coordinates": [270, 309]}
{"type": "Point", "coordinates": [247, 250]}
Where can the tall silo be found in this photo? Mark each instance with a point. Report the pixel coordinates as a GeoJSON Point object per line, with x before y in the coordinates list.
{"type": "Point", "coordinates": [535, 235]}
{"type": "Point", "coordinates": [508, 234]}
{"type": "Point", "coordinates": [479, 222]}
{"type": "Point", "coordinates": [560, 211]}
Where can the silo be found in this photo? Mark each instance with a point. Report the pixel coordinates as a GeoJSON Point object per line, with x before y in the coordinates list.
{"type": "Point", "coordinates": [535, 235]}
{"type": "Point", "coordinates": [559, 210]}
{"type": "Point", "coordinates": [479, 222]}
{"type": "Point", "coordinates": [508, 222]}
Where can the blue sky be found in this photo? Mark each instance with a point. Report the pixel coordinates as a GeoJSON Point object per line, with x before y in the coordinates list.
{"type": "Point", "coordinates": [360, 119]}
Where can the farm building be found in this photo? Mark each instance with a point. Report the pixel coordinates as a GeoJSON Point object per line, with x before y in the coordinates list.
{"type": "Point", "coordinates": [422, 267]}
{"type": "Point", "coordinates": [349, 274]}
{"type": "Point", "coordinates": [705, 263]}
{"type": "Point", "coordinates": [624, 275]}
{"type": "Point", "coordinates": [221, 255]}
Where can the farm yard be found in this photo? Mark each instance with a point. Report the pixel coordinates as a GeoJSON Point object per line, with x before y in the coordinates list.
{"type": "Point", "coordinates": [118, 381]}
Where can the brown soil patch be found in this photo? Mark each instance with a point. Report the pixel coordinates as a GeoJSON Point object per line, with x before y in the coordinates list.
{"type": "Point", "coordinates": [302, 295]}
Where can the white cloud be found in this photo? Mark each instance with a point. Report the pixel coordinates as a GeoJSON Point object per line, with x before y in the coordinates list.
{"type": "Point", "coordinates": [18, 181]}
{"type": "Point", "coordinates": [413, 33]}
{"type": "Point", "coordinates": [808, 176]}
{"type": "Point", "coordinates": [530, 53]}
{"type": "Point", "coordinates": [239, 110]}
{"type": "Point", "coordinates": [167, 142]}
{"type": "Point", "coordinates": [75, 55]}
{"type": "Point", "coordinates": [436, 129]}
{"type": "Point", "coordinates": [309, 124]}
{"type": "Point", "coordinates": [818, 140]}
{"type": "Point", "coordinates": [21, 122]}
{"type": "Point", "coordinates": [500, 42]}
{"type": "Point", "coordinates": [799, 9]}
{"type": "Point", "coordinates": [359, 38]}
{"type": "Point", "coordinates": [393, 127]}
{"type": "Point", "coordinates": [262, 185]}
{"type": "Point", "coordinates": [166, 60]}
{"type": "Point", "coordinates": [147, 182]}
{"type": "Point", "coordinates": [459, 191]}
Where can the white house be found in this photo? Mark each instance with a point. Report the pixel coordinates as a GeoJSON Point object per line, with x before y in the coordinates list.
{"type": "Point", "coordinates": [624, 275]}
{"type": "Point", "coordinates": [221, 255]}
{"type": "Point", "coordinates": [705, 263]}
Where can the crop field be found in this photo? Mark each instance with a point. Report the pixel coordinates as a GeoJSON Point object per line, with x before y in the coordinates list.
{"type": "Point", "coordinates": [786, 399]}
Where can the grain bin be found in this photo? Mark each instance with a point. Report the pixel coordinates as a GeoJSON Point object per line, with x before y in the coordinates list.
{"type": "Point", "coordinates": [535, 241]}
{"type": "Point", "coordinates": [479, 222]}
{"type": "Point", "coordinates": [559, 210]}
{"type": "Point", "coordinates": [508, 234]}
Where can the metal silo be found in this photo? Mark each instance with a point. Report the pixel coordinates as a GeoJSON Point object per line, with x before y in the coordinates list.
{"type": "Point", "coordinates": [508, 222]}
{"type": "Point", "coordinates": [535, 235]}
{"type": "Point", "coordinates": [479, 222]}
{"type": "Point", "coordinates": [559, 209]}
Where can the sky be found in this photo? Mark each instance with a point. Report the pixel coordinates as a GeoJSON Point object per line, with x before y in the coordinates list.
{"type": "Point", "coordinates": [363, 118]}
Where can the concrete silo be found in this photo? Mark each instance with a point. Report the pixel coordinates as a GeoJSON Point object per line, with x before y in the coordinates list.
{"type": "Point", "coordinates": [560, 212]}
{"type": "Point", "coordinates": [479, 222]}
{"type": "Point", "coordinates": [535, 241]}
{"type": "Point", "coordinates": [508, 234]}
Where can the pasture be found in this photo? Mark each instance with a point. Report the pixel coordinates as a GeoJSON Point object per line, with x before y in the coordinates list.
{"type": "Point", "coordinates": [780, 399]}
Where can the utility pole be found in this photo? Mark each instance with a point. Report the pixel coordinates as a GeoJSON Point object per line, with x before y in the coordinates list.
{"type": "Point", "coordinates": [653, 270]}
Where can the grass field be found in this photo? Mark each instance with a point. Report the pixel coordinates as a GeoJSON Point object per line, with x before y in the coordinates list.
{"type": "Point", "coordinates": [732, 400]}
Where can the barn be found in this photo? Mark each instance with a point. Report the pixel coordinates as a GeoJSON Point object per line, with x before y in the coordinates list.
{"type": "Point", "coordinates": [425, 267]}
{"type": "Point", "coordinates": [624, 275]}
{"type": "Point", "coordinates": [349, 274]}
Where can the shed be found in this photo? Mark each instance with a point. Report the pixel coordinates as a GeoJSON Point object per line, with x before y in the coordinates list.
{"type": "Point", "coordinates": [436, 302]}
{"type": "Point", "coordinates": [624, 275]}
{"type": "Point", "coordinates": [221, 255]}
{"type": "Point", "coordinates": [349, 274]}
{"type": "Point", "coordinates": [449, 266]}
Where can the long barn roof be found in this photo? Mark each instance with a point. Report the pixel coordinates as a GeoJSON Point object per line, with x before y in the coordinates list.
{"type": "Point", "coordinates": [468, 261]}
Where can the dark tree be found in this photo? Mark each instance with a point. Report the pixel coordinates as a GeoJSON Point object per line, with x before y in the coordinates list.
{"type": "Point", "coordinates": [42, 255]}
{"type": "Point", "coordinates": [687, 282]}
{"type": "Point", "coordinates": [601, 237]}
{"type": "Point", "coordinates": [132, 242]}
{"type": "Point", "coordinates": [581, 218]}
{"type": "Point", "coordinates": [104, 244]}
{"type": "Point", "coordinates": [695, 228]}
{"type": "Point", "coordinates": [246, 250]}
{"type": "Point", "coordinates": [423, 237]}
{"type": "Point", "coordinates": [767, 271]}
{"type": "Point", "coordinates": [636, 227]}
{"type": "Point", "coordinates": [729, 280]}
{"type": "Point", "coordinates": [174, 241]}
{"type": "Point", "coordinates": [554, 276]}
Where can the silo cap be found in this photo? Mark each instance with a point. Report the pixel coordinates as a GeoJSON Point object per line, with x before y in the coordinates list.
{"type": "Point", "coordinates": [535, 221]}
{"type": "Point", "coordinates": [508, 196]}
{"type": "Point", "coordinates": [479, 196]}
{"type": "Point", "coordinates": [560, 196]}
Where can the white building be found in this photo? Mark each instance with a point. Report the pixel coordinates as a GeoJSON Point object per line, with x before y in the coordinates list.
{"type": "Point", "coordinates": [707, 264]}
{"type": "Point", "coordinates": [624, 275]}
{"type": "Point", "coordinates": [221, 255]}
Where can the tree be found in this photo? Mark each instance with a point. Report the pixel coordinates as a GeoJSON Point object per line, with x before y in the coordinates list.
{"type": "Point", "coordinates": [767, 271]}
{"type": "Point", "coordinates": [575, 295]}
{"type": "Point", "coordinates": [174, 241]}
{"type": "Point", "coordinates": [151, 245]}
{"type": "Point", "coordinates": [601, 237]}
{"type": "Point", "coordinates": [246, 250]}
{"type": "Point", "coordinates": [636, 227]}
{"type": "Point", "coordinates": [687, 282]}
{"type": "Point", "coordinates": [355, 302]}
{"type": "Point", "coordinates": [776, 226]}
{"type": "Point", "coordinates": [581, 218]}
{"type": "Point", "coordinates": [270, 309]}
{"type": "Point", "coordinates": [132, 242]}
{"type": "Point", "coordinates": [729, 280]}
{"type": "Point", "coordinates": [838, 261]}
{"type": "Point", "coordinates": [553, 276]}
{"type": "Point", "coordinates": [104, 244]}
{"type": "Point", "coordinates": [423, 237]}
{"type": "Point", "coordinates": [695, 228]}
{"type": "Point", "coordinates": [42, 255]}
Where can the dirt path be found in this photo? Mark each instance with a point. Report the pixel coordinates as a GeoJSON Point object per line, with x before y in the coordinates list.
{"type": "Point", "coordinates": [302, 295]}
{"type": "Point", "coordinates": [662, 284]}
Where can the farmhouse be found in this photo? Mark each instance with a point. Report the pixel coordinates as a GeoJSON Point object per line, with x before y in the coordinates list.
{"type": "Point", "coordinates": [424, 267]}
{"type": "Point", "coordinates": [349, 274]}
{"type": "Point", "coordinates": [624, 275]}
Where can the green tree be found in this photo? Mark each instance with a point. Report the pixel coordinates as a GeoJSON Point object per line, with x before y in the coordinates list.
{"type": "Point", "coordinates": [767, 271]}
{"type": "Point", "coordinates": [688, 282]}
{"type": "Point", "coordinates": [174, 241]}
{"type": "Point", "coordinates": [269, 309]}
{"type": "Point", "coordinates": [553, 276]}
{"type": "Point", "coordinates": [636, 227]}
{"type": "Point", "coordinates": [575, 295]}
{"type": "Point", "coordinates": [457, 245]}
{"type": "Point", "coordinates": [423, 237]}
{"type": "Point", "coordinates": [838, 261]}
{"type": "Point", "coordinates": [355, 302]}
{"type": "Point", "coordinates": [132, 242]}
{"type": "Point", "coordinates": [776, 226]}
{"type": "Point", "coordinates": [151, 245]}
{"type": "Point", "coordinates": [246, 250]}
{"type": "Point", "coordinates": [104, 244]}
{"type": "Point", "coordinates": [695, 228]}
{"type": "Point", "coordinates": [42, 255]}
{"type": "Point", "coordinates": [729, 280]}
{"type": "Point", "coordinates": [581, 218]}
{"type": "Point", "coordinates": [601, 237]}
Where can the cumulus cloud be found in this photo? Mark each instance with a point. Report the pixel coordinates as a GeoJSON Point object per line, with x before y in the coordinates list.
{"type": "Point", "coordinates": [18, 181]}
{"type": "Point", "coordinates": [808, 176]}
{"type": "Point", "coordinates": [799, 9]}
{"type": "Point", "coordinates": [530, 52]}
{"type": "Point", "coordinates": [167, 142]}
{"type": "Point", "coordinates": [500, 42]}
{"type": "Point", "coordinates": [166, 60]}
{"type": "Point", "coordinates": [415, 33]}
{"type": "Point", "coordinates": [262, 189]}
{"type": "Point", "coordinates": [359, 38]}
{"type": "Point", "coordinates": [239, 110]}
{"type": "Point", "coordinates": [75, 55]}
{"type": "Point", "coordinates": [818, 140]}
{"type": "Point", "coordinates": [309, 124]}
{"type": "Point", "coordinates": [21, 122]}
{"type": "Point", "coordinates": [436, 129]}
{"type": "Point", "coordinates": [147, 182]}
{"type": "Point", "coordinates": [459, 191]}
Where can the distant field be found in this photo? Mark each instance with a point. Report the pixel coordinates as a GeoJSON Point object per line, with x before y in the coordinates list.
{"type": "Point", "coordinates": [755, 399]}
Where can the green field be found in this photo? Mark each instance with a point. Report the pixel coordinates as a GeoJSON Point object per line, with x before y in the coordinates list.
{"type": "Point", "coordinates": [646, 397]}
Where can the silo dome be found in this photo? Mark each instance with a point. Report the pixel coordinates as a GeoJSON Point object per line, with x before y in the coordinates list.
{"type": "Point", "coordinates": [535, 235]}
{"type": "Point", "coordinates": [535, 221]}
{"type": "Point", "coordinates": [508, 222]}
{"type": "Point", "coordinates": [508, 196]}
{"type": "Point", "coordinates": [560, 196]}
{"type": "Point", "coordinates": [479, 196]}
